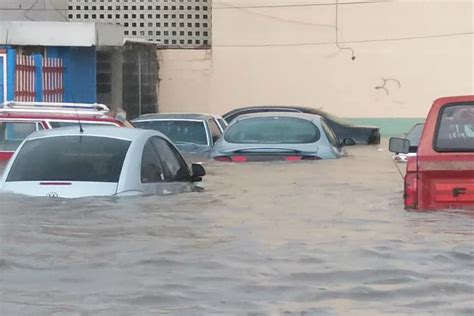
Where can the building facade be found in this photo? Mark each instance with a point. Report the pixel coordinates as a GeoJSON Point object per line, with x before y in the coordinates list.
{"type": "Point", "coordinates": [41, 61]}
{"type": "Point", "coordinates": [262, 53]}
{"type": "Point", "coordinates": [166, 23]}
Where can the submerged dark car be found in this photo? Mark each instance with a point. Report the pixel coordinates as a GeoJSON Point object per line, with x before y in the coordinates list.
{"type": "Point", "coordinates": [344, 130]}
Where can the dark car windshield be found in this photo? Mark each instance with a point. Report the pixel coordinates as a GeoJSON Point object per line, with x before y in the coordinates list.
{"type": "Point", "coordinates": [272, 130]}
{"type": "Point", "coordinates": [70, 158]}
{"type": "Point", "coordinates": [180, 132]}
{"type": "Point", "coordinates": [455, 130]}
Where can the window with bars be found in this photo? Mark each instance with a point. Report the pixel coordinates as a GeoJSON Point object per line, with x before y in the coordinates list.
{"type": "Point", "coordinates": [170, 23]}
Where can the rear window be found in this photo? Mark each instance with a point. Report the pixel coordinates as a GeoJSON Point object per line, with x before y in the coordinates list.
{"type": "Point", "coordinates": [455, 130]}
{"type": "Point", "coordinates": [70, 158]}
{"type": "Point", "coordinates": [273, 130]}
{"type": "Point", "coordinates": [180, 132]}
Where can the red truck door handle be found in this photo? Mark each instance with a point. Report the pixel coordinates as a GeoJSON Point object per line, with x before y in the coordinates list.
{"type": "Point", "coordinates": [458, 191]}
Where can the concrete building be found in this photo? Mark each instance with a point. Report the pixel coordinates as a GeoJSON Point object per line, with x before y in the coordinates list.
{"type": "Point", "coordinates": [282, 52]}
{"type": "Point", "coordinates": [166, 23]}
{"type": "Point", "coordinates": [52, 61]}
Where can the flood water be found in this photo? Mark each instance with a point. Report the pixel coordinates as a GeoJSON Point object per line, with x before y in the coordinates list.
{"type": "Point", "coordinates": [313, 238]}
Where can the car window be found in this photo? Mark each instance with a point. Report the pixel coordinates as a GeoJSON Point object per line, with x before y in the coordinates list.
{"type": "Point", "coordinates": [175, 167]}
{"type": "Point", "coordinates": [151, 168]}
{"type": "Point", "coordinates": [272, 130]}
{"type": "Point", "coordinates": [455, 130]}
{"type": "Point", "coordinates": [222, 123]}
{"type": "Point", "coordinates": [330, 134]}
{"type": "Point", "coordinates": [13, 133]}
{"type": "Point", "coordinates": [215, 130]}
{"type": "Point", "coordinates": [180, 132]}
{"type": "Point", "coordinates": [70, 158]}
{"type": "Point", "coordinates": [414, 135]}
{"type": "Point", "coordinates": [57, 124]}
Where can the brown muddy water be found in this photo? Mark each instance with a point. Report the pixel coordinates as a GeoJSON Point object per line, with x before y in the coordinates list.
{"type": "Point", "coordinates": [315, 238]}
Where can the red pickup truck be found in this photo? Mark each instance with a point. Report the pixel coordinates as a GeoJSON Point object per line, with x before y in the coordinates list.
{"type": "Point", "coordinates": [441, 175]}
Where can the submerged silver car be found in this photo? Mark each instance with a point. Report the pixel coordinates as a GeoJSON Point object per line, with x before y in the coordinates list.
{"type": "Point", "coordinates": [277, 136]}
{"type": "Point", "coordinates": [98, 161]}
{"type": "Point", "coordinates": [193, 133]}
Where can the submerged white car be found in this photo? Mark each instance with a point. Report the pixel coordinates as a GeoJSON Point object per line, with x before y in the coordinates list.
{"type": "Point", "coordinates": [98, 161]}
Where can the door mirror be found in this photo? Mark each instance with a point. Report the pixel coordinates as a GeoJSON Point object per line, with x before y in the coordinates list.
{"type": "Point", "coordinates": [348, 142]}
{"type": "Point", "coordinates": [198, 172]}
{"type": "Point", "coordinates": [399, 145]}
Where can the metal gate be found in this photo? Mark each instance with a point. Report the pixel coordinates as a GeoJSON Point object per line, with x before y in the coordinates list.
{"type": "Point", "coordinates": [25, 78]}
{"type": "Point", "coordinates": [53, 80]}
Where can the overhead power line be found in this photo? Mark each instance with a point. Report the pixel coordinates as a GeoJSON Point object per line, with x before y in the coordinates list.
{"type": "Point", "coordinates": [394, 39]}
{"type": "Point", "coordinates": [229, 6]}
{"type": "Point", "coordinates": [34, 9]}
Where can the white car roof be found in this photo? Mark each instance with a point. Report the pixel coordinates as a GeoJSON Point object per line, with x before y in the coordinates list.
{"type": "Point", "coordinates": [100, 131]}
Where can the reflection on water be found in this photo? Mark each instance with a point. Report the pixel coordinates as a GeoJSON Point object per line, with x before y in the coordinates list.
{"type": "Point", "coordinates": [316, 238]}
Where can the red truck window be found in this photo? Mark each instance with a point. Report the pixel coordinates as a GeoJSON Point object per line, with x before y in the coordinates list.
{"type": "Point", "coordinates": [455, 130]}
{"type": "Point", "coordinates": [13, 133]}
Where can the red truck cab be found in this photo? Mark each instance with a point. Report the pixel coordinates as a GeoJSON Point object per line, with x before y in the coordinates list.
{"type": "Point", "coordinates": [441, 176]}
{"type": "Point", "coordinates": [19, 119]}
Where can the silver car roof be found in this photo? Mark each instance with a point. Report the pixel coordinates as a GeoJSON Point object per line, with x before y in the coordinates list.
{"type": "Point", "coordinates": [305, 116]}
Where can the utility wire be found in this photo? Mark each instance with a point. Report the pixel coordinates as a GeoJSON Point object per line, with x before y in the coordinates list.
{"type": "Point", "coordinates": [33, 9]}
{"type": "Point", "coordinates": [29, 9]}
{"type": "Point", "coordinates": [337, 34]}
{"type": "Point", "coordinates": [229, 6]}
{"type": "Point", "coordinates": [394, 39]}
{"type": "Point", "coordinates": [57, 10]}
{"type": "Point", "coordinates": [272, 17]}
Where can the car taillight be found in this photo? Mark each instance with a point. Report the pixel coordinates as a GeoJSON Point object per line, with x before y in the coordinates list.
{"type": "Point", "coordinates": [411, 191]}
{"type": "Point", "coordinates": [293, 158]}
{"type": "Point", "coordinates": [311, 158]}
{"type": "Point", "coordinates": [239, 158]}
{"type": "Point", "coordinates": [223, 158]}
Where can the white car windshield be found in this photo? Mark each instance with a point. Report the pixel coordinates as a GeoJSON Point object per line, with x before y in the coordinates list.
{"type": "Point", "coordinates": [70, 158]}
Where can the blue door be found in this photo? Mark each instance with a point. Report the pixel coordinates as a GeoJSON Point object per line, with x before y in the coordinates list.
{"type": "Point", "coordinates": [2, 76]}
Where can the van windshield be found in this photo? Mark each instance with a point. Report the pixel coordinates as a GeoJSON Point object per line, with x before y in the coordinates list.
{"type": "Point", "coordinates": [455, 130]}
{"type": "Point", "coordinates": [70, 158]}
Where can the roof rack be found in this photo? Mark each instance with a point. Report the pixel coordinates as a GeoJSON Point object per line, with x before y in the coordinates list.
{"type": "Point", "coordinates": [54, 107]}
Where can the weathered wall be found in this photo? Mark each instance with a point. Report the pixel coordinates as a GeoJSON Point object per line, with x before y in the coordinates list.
{"type": "Point", "coordinates": [140, 79]}
{"type": "Point", "coordinates": [313, 71]}
{"type": "Point", "coordinates": [33, 10]}
{"type": "Point", "coordinates": [109, 76]}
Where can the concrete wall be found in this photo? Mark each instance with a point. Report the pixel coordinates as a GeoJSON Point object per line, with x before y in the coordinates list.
{"type": "Point", "coordinates": [288, 56]}
{"type": "Point", "coordinates": [109, 77]}
{"type": "Point", "coordinates": [140, 73]}
{"type": "Point", "coordinates": [32, 10]}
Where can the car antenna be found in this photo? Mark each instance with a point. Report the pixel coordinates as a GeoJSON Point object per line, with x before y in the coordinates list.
{"type": "Point", "coordinates": [81, 130]}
